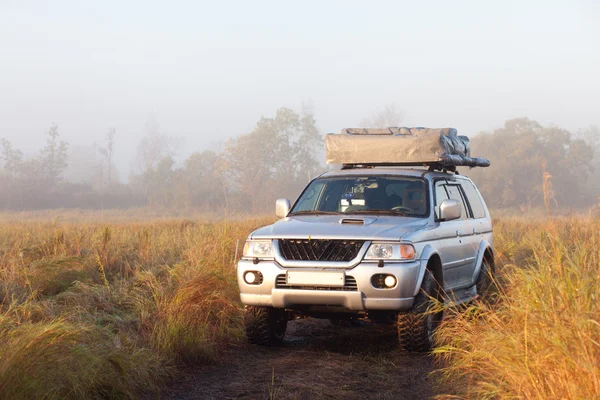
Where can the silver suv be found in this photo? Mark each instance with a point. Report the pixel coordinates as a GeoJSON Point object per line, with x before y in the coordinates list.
{"type": "Point", "coordinates": [383, 244]}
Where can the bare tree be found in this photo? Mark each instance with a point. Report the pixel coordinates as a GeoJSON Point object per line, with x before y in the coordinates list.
{"type": "Point", "coordinates": [54, 157]}
{"type": "Point", "coordinates": [388, 116]}
{"type": "Point", "coordinates": [107, 152]}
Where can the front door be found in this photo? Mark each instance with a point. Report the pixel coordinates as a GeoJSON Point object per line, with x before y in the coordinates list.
{"type": "Point", "coordinates": [453, 237]}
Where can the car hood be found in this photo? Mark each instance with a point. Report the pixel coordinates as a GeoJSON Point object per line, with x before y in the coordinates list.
{"type": "Point", "coordinates": [331, 227]}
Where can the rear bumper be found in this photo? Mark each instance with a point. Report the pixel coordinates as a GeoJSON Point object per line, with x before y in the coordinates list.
{"type": "Point", "coordinates": [365, 298]}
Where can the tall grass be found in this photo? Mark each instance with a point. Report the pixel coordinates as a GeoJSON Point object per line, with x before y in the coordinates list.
{"type": "Point", "coordinates": [540, 338]}
{"type": "Point", "coordinates": [109, 311]}
{"type": "Point", "coordinates": [97, 310]}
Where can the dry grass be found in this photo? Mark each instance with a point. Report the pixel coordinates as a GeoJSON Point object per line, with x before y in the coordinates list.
{"type": "Point", "coordinates": [90, 310]}
{"type": "Point", "coordinates": [110, 310]}
{"type": "Point", "coordinates": [540, 338]}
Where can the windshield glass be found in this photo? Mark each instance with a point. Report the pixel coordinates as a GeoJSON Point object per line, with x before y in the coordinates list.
{"type": "Point", "coordinates": [396, 195]}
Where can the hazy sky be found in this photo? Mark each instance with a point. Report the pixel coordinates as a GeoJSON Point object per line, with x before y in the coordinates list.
{"type": "Point", "coordinates": [210, 70]}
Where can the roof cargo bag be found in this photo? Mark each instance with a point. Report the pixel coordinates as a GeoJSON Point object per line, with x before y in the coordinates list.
{"type": "Point", "coordinates": [400, 146]}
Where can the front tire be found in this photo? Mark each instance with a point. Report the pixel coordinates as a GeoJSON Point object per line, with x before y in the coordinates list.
{"type": "Point", "coordinates": [265, 325]}
{"type": "Point", "coordinates": [485, 280]}
{"type": "Point", "coordinates": [417, 326]}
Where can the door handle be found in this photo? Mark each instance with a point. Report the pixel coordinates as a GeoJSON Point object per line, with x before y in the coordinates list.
{"type": "Point", "coordinates": [458, 233]}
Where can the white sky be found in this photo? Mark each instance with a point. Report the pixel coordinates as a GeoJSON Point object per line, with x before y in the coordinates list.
{"type": "Point", "coordinates": [209, 70]}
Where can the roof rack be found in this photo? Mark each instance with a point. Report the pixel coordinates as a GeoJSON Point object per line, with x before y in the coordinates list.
{"type": "Point", "coordinates": [432, 166]}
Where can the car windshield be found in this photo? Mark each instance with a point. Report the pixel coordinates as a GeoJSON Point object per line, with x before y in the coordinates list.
{"type": "Point", "coordinates": [394, 195]}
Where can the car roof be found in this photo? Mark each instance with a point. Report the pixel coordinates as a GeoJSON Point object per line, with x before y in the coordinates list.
{"type": "Point", "coordinates": [399, 171]}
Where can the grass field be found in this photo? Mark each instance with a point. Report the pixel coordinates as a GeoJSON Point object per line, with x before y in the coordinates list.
{"type": "Point", "coordinates": [538, 336]}
{"type": "Point", "coordinates": [112, 310]}
{"type": "Point", "coordinates": [92, 310]}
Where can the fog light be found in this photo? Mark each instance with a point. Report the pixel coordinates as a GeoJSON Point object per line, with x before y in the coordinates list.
{"type": "Point", "coordinates": [383, 281]}
{"type": "Point", "coordinates": [390, 281]}
{"type": "Point", "coordinates": [250, 277]}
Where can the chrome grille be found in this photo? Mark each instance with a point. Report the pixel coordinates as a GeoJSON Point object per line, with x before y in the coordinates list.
{"type": "Point", "coordinates": [319, 249]}
{"type": "Point", "coordinates": [349, 285]}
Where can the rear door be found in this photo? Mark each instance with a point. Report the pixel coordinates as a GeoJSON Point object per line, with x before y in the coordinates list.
{"type": "Point", "coordinates": [478, 225]}
{"type": "Point", "coordinates": [464, 233]}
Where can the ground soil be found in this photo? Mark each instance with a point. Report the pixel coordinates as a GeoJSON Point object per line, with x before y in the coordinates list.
{"type": "Point", "coordinates": [317, 360]}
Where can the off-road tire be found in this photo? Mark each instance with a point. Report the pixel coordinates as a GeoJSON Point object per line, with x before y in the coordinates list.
{"type": "Point", "coordinates": [415, 328]}
{"type": "Point", "coordinates": [485, 280]}
{"type": "Point", "coordinates": [265, 325]}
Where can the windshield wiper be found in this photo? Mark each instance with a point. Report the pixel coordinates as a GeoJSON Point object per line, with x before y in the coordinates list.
{"type": "Point", "coordinates": [315, 212]}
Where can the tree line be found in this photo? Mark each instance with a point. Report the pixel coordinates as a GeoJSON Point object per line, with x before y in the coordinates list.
{"type": "Point", "coordinates": [523, 153]}
{"type": "Point", "coordinates": [531, 165]}
{"type": "Point", "coordinates": [277, 158]}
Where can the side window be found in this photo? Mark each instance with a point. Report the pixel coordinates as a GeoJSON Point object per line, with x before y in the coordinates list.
{"type": "Point", "coordinates": [454, 193]}
{"type": "Point", "coordinates": [474, 199]}
{"type": "Point", "coordinates": [440, 195]}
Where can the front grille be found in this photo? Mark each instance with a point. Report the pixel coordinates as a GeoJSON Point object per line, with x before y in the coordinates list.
{"type": "Point", "coordinates": [349, 285]}
{"type": "Point", "coordinates": [319, 249]}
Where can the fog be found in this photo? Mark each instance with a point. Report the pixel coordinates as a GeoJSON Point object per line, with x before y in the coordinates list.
{"type": "Point", "coordinates": [208, 71]}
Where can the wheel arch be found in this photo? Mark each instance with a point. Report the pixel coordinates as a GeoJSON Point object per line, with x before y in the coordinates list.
{"type": "Point", "coordinates": [430, 260]}
{"type": "Point", "coordinates": [485, 252]}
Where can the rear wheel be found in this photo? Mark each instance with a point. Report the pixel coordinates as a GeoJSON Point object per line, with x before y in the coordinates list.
{"type": "Point", "coordinates": [417, 326]}
{"type": "Point", "coordinates": [265, 325]}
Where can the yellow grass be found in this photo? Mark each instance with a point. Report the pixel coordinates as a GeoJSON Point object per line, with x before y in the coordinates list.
{"type": "Point", "coordinates": [101, 309]}
{"type": "Point", "coordinates": [540, 337]}
{"type": "Point", "coordinates": [90, 310]}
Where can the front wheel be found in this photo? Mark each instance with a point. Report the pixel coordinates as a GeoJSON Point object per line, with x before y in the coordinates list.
{"type": "Point", "coordinates": [416, 327]}
{"type": "Point", "coordinates": [265, 325]}
{"type": "Point", "coordinates": [485, 280]}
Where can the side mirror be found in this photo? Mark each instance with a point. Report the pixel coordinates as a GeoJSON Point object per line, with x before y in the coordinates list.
{"type": "Point", "coordinates": [450, 210]}
{"type": "Point", "coordinates": [282, 208]}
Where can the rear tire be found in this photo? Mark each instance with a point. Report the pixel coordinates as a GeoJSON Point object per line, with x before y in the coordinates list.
{"type": "Point", "coordinates": [265, 325]}
{"type": "Point", "coordinates": [416, 327]}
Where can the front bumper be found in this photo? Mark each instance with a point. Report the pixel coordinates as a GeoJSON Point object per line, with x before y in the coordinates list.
{"type": "Point", "coordinates": [364, 297]}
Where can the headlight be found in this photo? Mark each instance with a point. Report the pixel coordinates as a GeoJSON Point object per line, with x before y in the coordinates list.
{"type": "Point", "coordinates": [389, 251]}
{"type": "Point", "coordinates": [258, 249]}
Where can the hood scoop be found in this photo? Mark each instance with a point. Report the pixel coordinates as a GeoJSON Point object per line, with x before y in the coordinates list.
{"type": "Point", "coordinates": [357, 221]}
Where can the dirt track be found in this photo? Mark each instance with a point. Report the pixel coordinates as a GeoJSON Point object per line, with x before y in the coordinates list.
{"type": "Point", "coordinates": [317, 361]}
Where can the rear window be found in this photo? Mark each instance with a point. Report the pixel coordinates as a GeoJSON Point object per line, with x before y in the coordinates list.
{"type": "Point", "coordinates": [474, 199]}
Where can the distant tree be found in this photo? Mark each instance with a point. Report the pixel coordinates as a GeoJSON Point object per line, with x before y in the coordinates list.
{"type": "Point", "coordinates": [160, 183]}
{"type": "Point", "coordinates": [275, 159]}
{"type": "Point", "coordinates": [199, 183]}
{"type": "Point", "coordinates": [53, 157]}
{"type": "Point", "coordinates": [518, 153]}
{"type": "Point", "coordinates": [11, 161]}
{"type": "Point", "coordinates": [152, 150]}
{"type": "Point", "coordinates": [107, 153]}
{"type": "Point", "coordinates": [154, 146]}
{"type": "Point", "coordinates": [11, 158]}
{"type": "Point", "coordinates": [385, 117]}
{"type": "Point", "coordinates": [84, 167]}
{"type": "Point", "coordinates": [591, 135]}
